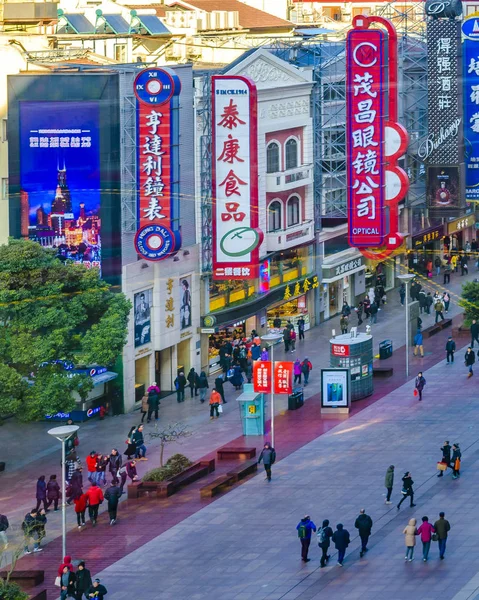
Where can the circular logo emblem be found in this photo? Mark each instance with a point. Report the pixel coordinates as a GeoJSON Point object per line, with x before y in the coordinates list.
{"type": "Point", "coordinates": [239, 241]}
{"type": "Point", "coordinates": [89, 412]}
{"type": "Point", "coordinates": [154, 86]}
{"type": "Point", "coordinates": [155, 242]}
{"type": "Point", "coordinates": [209, 321]}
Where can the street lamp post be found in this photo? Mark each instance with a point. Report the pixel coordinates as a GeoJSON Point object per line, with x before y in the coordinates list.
{"type": "Point", "coordinates": [62, 433]}
{"type": "Point", "coordinates": [407, 278]}
{"type": "Point", "coordinates": [271, 339]}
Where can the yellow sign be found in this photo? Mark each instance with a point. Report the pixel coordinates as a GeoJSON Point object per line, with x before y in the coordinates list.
{"type": "Point", "coordinates": [300, 287]}
{"type": "Point", "coordinates": [170, 320]}
{"type": "Point", "coordinates": [169, 304]}
{"type": "Point", "coordinates": [169, 285]}
{"type": "Point", "coordinates": [252, 409]}
{"type": "Point", "coordinates": [460, 224]}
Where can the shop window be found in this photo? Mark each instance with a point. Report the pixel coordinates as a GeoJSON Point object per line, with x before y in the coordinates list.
{"type": "Point", "coordinates": [274, 216]}
{"type": "Point", "coordinates": [272, 158]}
{"type": "Point", "coordinates": [120, 53]}
{"type": "Point", "coordinates": [291, 154]}
{"type": "Point", "coordinates": [293, 211]}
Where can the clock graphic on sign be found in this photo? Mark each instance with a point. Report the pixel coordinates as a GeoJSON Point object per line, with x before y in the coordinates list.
{"type": "Point", "coordinates": [240, 241]}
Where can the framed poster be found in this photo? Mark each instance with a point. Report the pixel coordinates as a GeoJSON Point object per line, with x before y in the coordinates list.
{"type": "Point", "coordinates": [335, 388]}
{"type": "Point", "coordinates": [143, 302]}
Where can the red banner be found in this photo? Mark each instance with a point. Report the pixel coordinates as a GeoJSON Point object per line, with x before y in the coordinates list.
{"type": "Point", "coordinates": [283, 377]}
{"type": "Point", "coordinates": [339, 350]}
{"type": "Point", "coordinates": [262, 376]}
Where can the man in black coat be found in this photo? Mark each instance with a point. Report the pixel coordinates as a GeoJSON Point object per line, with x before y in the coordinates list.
{"type": "Point", "coordinates": [474, 332]}
{"type": "Point", "coordinates": [364, 524]}
{"type": "Point", "coordinates": [219, 387]}
{"type": "Point", "coordinates": [113, 495]}
{"type": "Point", "coordinates": [446, 456]}
{"type": "Point", "coordinates": [325, 533]}
{"type": "Point", "coordinates": [97, 590]}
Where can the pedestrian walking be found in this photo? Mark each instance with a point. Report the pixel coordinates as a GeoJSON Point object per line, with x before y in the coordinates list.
{"type": "Point", "coordinates": [464, 267]}
{"type": "Point", "coordinates": [76, 485]}
{"type": "Point", "coordinates": [388, 483]}
{"type": "Point", "coordinates": [67, 562]}
{"type": "Point", "coordinates": [437, 264]}
{"type": "Point", "coordinates": [4, 525]}
{"type": "Point", "coordinates": [193, 382]}
{"type": "Point", "coordinates": [97, 590]}
{"type": "Point", "coordinates": [446, 299]}
{"type": "Point", "coordinates": [367, 307]}
{"type": "Point", "coordinates": [153, 401]}
{"type": "Point", "coordinates": [429, 303]}
{"type": "Point", "coordinates": [219, 386]}
{"type": "Point", "coordinates": [442, 527]}
{"type": "Point", "coordinates": [114, 463]}
{"type": "Point", "coordinates": [237, 379]}
{"type": "Point", "coordinates": [293, 340]}
{"type": "Point", "coordinates": [131, 447]}
{"type": "Point", "coordinates": [305, 529]}
{"type": "Point", "coordinates": [30, 532]}
{"type": "Point", "coordinates": [180, 384]}
{"type": "Point", "coordinates": [439, 307]}
{"type": "Point", "coordinates": [203, 386]}
{"type": "Point", "coordinates": [144, 407]}
{"type": "Point", "coordinates": [249, 369]}
{"type": "Point", "coordinates": [324, 535]}
{"type": "Point", "coordinates": [359, 312]}
{"type": "Point", "coordinates": [456, 461]}
{"type": "Point", "coordinates": [81, 503]}
{"type": "Point", "coordinates": [53, 492]}
{"type": "Point", "coordinates": [91, 466]}
{"type": "Point", "coordinates": [450, 349]}
{"type": "Point", "coordinates": [268, 456]}
{"type": "Point", "coordinates": [41, 493]}
{"type": "Point", "coordinates": [264, 354]}
{"type": "Point", "coordinates": [341, 541]}
{"type": "Point", "coordinates": [297, 371]}
{"type": "Point", "coordinates": [418, 344]}
{"type": "Point", "coordinates": [71, 463]}
{"type": "Point", "coordinates": [407, 489]}
{"type": "Point", "coordinates": [410, 533]}
{"type": "Point", "coordinates": [306, 368]}
{"type": "Point", "coordinates": [131, 472]}
{"type": "Point", "coordinates": [83, 581]}
{"type": "Point", "coordinates": [446, 456]}
{"type": "Point", "coordinates": [373, 310]}
{"type": "Point", "coordinates": [301, 326]}
{"type": "Point", "coordinates": [113, 495]}
{"type": "Point", "coordinates": [343, 324]}
{"type": "Point", "coordinates": [447, 273]}
{"type": "Point", "coordinates": [425, 530]}
{"type": "Point", "coordinates": [215, 402]}
{"type": "Point", "coordinates": [139, 441]}
{"type": "Point", "coordinates": [469, 360]}
{"type": "Point", "coordinates": [363, 524]}
{"type": "Point", "coordinates": [67, 583]}
{"type": "Point", "coordinates": [346, 309]}
{"type": "Point", "coordinates": [101, 465]}
{"type": "Point", "coordinates": [419, 384]}
{"type": "Point", "coordinates": [286, 338]}
{"type": "Point", "coordinates": [474, 332]}
{"type": "Point", "coordinates": [422, 301]}
{"type": "Point", "coordinates": [95, 498]}
{"type": "Point", "coordinates": [402, 293]}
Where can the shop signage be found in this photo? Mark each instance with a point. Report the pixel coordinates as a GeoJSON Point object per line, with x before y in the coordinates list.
{"type": "Point", "coordinates": [283, 377]}
{"type": "Point", "coordinates": [428, 236]}
{"type": "Point", "coordinates": [471, 107]}
{"type": "Point", "coordinates": [236, 237]}
{"type": "Point", "coordinates": [332, 272]}
{"type": "Point", "coordinates": [300, 287]}
{"type": "Point", "coordinates": [340, 350]}
{"type": "Point", "coordinates": [262, 377]}
{"type": "Point", "coordinates": [208, 330]}
{"type": "Point", "coordinates": [157, 92]}
{"type": "Point", "coordinates": [335, 388]}
{"type": "Point", "coordinates": [460, 224]}
{"type": "Point", "coordinates": [169, 304]}
{"type": "Point", "coordinates": [209, 320]}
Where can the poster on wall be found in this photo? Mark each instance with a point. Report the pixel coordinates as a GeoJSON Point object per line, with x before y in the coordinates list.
{"type": "Point", "coordinates": [143, 302]}
{"type": "Point", "coordinates": [185, 302]}
{"type": "Point", "coordinates": [443, 188]}
{"type": "Point", "coordinates": [60, 178]}
{"type": "Point", "coordinates": [335, 388]}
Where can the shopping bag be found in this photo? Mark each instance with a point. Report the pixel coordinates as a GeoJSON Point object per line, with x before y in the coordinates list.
{"type": "Point", "coordinates": [230, 373]}
{"type": "Point", "coordinates": [441, 466]}
{"type": "Point", "coordinates": [457, 465]}
{"type": "Point", "coordinates": [220, 408]}
{"type": "Point", "coordinates": [415, 392]}
{"type": "Point", "coordinates": [57, 581]}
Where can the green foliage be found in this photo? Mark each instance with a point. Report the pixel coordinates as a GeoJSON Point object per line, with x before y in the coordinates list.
{"type": "Point", "coordinates": [11, 591]}
{"type": "Point", "coordinates": [470, 301]}
{"type": "Point", "coordinates": [174, 465]}
{"type": "Point", "coordinates": [49, 311]}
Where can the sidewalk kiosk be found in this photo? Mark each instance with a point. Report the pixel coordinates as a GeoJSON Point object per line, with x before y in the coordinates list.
{"type": "Point", "coordinates": [251, 405]}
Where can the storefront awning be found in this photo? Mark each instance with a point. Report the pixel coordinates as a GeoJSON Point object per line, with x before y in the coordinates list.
{"type": "Point", "coordinates": [334, 271]}
{"type": "Point", "coordinates": [104, 377]}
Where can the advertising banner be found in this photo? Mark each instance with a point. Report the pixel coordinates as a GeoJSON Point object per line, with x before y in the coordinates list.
{"type": "Point", "coordinates": [335, 388]}
{"type": "Point", "coordinates": [471, 109]}
{"type": "Point", "coordinates": [443, 187]}
{"type": "Point", "coordinates": [236, 237]}
{"type": "Point", "coordinates": [283, 377]}
{"type": "Point", "coordinates": [185, 302]}
{"type": "Point", "coordinates": [143, 303]}
{"type": "Point", "coordinates": [157, 92]}
{"type": "Point", "coordinates": [262, 376]}
{"type": "Point", "coordinates": [60, 178]}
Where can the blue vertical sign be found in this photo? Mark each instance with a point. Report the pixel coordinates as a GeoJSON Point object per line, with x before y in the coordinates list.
{"type": "Point", "coordinates": [470, 30]}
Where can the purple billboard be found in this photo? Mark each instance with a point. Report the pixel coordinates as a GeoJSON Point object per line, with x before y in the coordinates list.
{"type": "Point", "coordinates": [60, 178]}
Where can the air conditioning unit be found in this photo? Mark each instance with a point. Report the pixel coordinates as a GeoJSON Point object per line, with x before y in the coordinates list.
{"type": "Point", "coordinates": [172, 53]}
{"type": "Point", "coordinates": [233, 19]}
{"type": "Point", "coordinates": [191, 50]}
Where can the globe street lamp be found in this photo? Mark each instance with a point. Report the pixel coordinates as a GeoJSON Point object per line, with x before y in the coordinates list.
{"type": "Point", "coordinates": [62, 434]}
{"type": "Point", "coordinates": [271, 339]}
{"type": "Point", "coordinates": [407, 278]}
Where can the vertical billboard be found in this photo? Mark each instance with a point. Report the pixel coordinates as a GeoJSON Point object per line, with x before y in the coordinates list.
{"type": "Point", "coordinates": [470, 29]}
{"type": "Point", "coordinates": [157, 92]}
{"type": "Point", "coordinates": [185, 302]}
{"type": "Point", "coordinates": [262, 376]}
{"type": "Point", "coordinates": [236, 237]}
{"type": "Point", "coordinates": [283, 377]}
{"type": "Point", "coordinates": [442, 150]}
{"type": "Point", "coordinates": [365, 136]}
{"type": "Point", "coordinates": [143, 302]}
{"type": "Point", "coordinates": [60, 178]}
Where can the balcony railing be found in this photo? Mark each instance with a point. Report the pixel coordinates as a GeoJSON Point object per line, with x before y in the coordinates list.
{"type": "Point", "coordinates": [289, 179]}
{"type": "Point", "coordinates": [296, 235]}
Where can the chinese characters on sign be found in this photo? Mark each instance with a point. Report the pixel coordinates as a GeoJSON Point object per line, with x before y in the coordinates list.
{"type": "Point", "coordinates": [169, 305]}
{"type": "Point", "coordinates": [77, 140]}
{"type": "Point", "coordinates": [157, 93]}
{"type": "Point", "coordinates": [365, 98]}
{"type": "Point", "coordinates": [426, 237]}
{"type": "Point", "coordinates": [301, 287]}
{"type": "Point", "coordinates": [262, 376]}
{"type": "Point", "coordinates": [283, 377]}
{"type": "Point", "coordinates": [346, 267]}
{"type": "Point", "coordinates": [236, 237]}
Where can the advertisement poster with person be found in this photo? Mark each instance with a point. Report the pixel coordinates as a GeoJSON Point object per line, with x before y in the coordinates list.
{"type": "Point", "coordinates": [443, 187]}
{"type": "Point", "coordinates": [185, 302]}
{"type": "Point", "coordinates": [143, 302]}
{"type": "Point", "coordinates": [60, 178]}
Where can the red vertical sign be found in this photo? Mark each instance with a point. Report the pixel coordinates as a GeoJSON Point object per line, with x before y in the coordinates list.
{"type": "Point", "coordinates": [283, 377]}
{"type": "Point", "coordinates": [262, 376]}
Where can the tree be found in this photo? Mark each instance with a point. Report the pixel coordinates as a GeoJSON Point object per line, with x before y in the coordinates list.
{"type": "Point", "coordinates": [52, 315]}
{"type": "Point", "coordinates": [173, 432]}
{"type": "Point", "coordinates": [470, 301]}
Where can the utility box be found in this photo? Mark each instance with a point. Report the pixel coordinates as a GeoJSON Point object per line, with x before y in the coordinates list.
{"type": "Point", "coordinates": [385, 349]}
{"type": "Point", "coordinates": [355, 354]}
{"type": "Point", "coordinates": [251, 406]}
{"type": "Point", "coordinates": [296, 399]}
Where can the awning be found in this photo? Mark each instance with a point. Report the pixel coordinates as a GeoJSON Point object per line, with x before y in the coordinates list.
{"type": "Point", "coordinates": [347, 264]}
{"type": "Point", "coordinates": [104, 377]}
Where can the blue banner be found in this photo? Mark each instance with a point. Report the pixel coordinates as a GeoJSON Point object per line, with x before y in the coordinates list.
{"type": "Point", "coordinates": [471, 116]}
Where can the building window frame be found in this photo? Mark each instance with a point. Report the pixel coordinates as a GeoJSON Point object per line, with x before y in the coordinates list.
{"type": "Point", "coordinates": [293, 210]}
{"type": "Point", "coordinates": [275, 215]}
{"type": "Point", "coordinates": [270, 163]}
{"type": "Point", "coordinates": [289, 154]}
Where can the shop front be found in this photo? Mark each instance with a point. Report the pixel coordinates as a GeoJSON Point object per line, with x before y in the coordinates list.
{"type": "Point", "coordinates": [231, 332]}
{"type": "Point", "coordinates": [290, 311]}
{"type": "Point", "coordinates": [460, 232]}
{"type": "Point", "coordinates": [425, 247]}
{"type": "Point", "coordinates": [342, 280]}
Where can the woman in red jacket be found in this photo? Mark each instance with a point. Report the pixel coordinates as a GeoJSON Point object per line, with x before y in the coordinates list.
{"type": "Point", "coordinates": [80, 508]}
{"type": "Point", "coordinates": [95, 498]}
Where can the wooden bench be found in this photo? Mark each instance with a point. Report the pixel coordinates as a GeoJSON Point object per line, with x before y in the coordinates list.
{"type": "Point", "coordinates": [383, 372]}
{"type": "Point", "coordinates": [133, 490]}
{"type": "Point", "coordinates": [243, 470]}
{"type": "Point", "coordinates": [216, 486]}
{"type": "Point", "coordinates": [436, 328]}
{"type": "Point", "coordinates": [232, 452]}
{"type": "Point", "coordinates": [26, 579]}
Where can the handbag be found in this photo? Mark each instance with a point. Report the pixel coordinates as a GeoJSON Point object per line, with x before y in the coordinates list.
{"type": "Point", "coordinates": [435, 537]}
{"type": "Point", "coordinates": [230, 373]}
{"type": "Point", "coordinates": [457, 464]}
{"type": "Point", "coordinates": [404, 491]}
{"type": "Point", "coordinates": [76, 442]}
{"type": "Point", "coordinates": [220, 408]}
{"type": "Point", "coordinates": [57, 581]}
{"type": "Point", "coordinates": [415, 392]}
{"type": "Point", "coordinates": [441, 466]}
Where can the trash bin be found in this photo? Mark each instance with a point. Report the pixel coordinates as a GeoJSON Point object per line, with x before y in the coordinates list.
{"type": "Point", "coordinates": [385, 349]}
{"type": "Point", "coordinates": [296, 399]}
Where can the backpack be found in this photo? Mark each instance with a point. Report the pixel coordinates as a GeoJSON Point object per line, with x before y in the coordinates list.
{"type": "Point", "coordinates": [322, 537]}
{"type": "Point", "coordinates": [302, 532]}
{"type": "Point", "coordinates": [305, 367]}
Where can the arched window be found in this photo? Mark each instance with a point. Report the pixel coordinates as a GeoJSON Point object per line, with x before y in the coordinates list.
{"type": "Point", "coordinates": [293, 211]}
{"type": "Point", "coordinates": [291, 154]}
{"type": "Point", "coordinates": [274, 216]}
{"type": "Point", "coordinates": [272, 158]}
